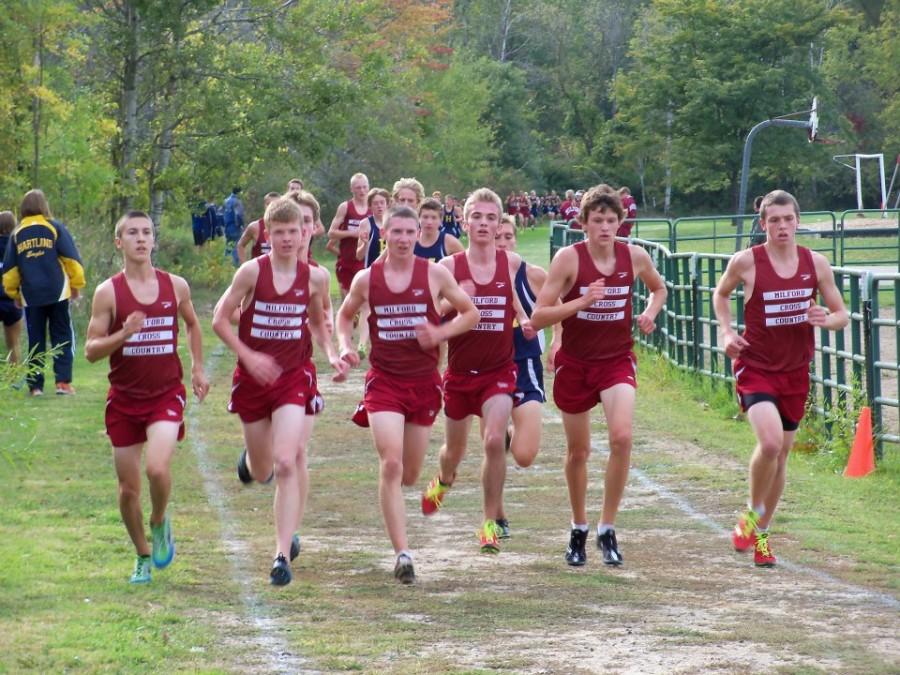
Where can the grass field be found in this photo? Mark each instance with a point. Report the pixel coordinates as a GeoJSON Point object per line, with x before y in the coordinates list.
{"type": "Point", "coordinates": [683, 602]}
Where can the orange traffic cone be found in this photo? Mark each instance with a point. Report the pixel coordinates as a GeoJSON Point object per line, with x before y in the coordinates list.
{"type": "Point", "coordinates": [862, 454]}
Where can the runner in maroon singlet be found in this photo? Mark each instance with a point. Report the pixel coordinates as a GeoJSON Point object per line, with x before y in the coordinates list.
{"type": "Point", "coordinates": [256, 233]}
{"type": "Point", "coordinates": [595, 364]}
{"type": "Point", "coordinates": [771, 358]}
{"type": "Point", "coordinates": [402, 395]}
{"type": "Point", "coordinates": [134, 321]}
{"type": "Point", "coordinates": [344, 231]}
{"type": "Point", "coordinates": [281, 301]}
{"type": "Point", "coordinates": [481, 375]}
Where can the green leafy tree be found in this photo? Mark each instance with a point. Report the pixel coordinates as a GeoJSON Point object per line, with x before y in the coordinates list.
{"type": "Point", "coordinates": [705, 72]}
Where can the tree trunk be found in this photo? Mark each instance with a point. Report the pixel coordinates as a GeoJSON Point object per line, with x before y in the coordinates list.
{"type": "Point", "coordinates": [641, 166]}
{"type": "Point", "coordinates": [128, 111]}
{"type": "Point", "coordinates": [38, 63]}
{"type": "Point", "coordinates": [667, 202]}
{"type": "Point", "coordinates": [505, 22]}
{"type": "Point", "coordinates": [163, 152]}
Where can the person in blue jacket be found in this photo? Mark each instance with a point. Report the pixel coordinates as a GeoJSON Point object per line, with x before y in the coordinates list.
{"type": "Point", "coordinates": [42, 271]}
{"type": "Point", "coordinates": [234, 223]}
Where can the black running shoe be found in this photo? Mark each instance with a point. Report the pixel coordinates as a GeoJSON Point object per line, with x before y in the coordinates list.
{"type": "Point", "coordinates": [606, 542]}
{"type": "Point", "coordinates": [281, 571]}
{"type": "Point", "coordinates": [575, 553]}
{"type": "Point", "coordinates": [295, 547]}
{"type": "Point", "coordinates": [403, 569]}
{"type": "Point", "coordinates": [243, 470]}
{"type": "Point", "coordinates": [503, 527]}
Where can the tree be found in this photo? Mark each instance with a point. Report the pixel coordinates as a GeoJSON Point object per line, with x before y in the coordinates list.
{"type": "Point", "coordinates": [718, 68]}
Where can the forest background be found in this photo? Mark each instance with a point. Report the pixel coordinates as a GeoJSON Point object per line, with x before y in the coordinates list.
{"type": "Point", "coordinates": [114, 104]}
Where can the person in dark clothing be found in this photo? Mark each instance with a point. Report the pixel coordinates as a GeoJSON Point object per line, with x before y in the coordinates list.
{"type": "Point", "coordinates": [234, 223]}
{"type": "Point", "coordinates": [10, 313]}
{"type": "Point", "coordinates": [42, 270]}
{"type": "Point", "coordinates": [199, 207]}
{"type": "Point", "coordinates": [757, 234]}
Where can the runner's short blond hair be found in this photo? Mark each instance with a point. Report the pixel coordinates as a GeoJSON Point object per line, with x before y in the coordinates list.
{"type": "Point", "coordinates": [283, 210]}
{"type": "Point", "coordinates": [482, 195]}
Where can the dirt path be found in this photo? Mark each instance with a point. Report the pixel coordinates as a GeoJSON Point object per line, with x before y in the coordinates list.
{"type": "Point", "coordinates": [683, 601]}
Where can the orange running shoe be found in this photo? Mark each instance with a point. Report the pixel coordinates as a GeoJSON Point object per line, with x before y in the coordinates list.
{"type": "Point", "coordinates": [433, 496]}
{"type": "Point", "coordinates": [762, 554]}
{"type": "Point", "coordinates": [743, 536]}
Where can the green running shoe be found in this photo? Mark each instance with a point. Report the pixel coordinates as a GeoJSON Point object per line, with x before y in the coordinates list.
{"type": "Point", "coordinates": [142, 567]}
{"type": "Point", "coordinates": [488, 535]}
{"type": "Point", "coordinates": [163, 543]}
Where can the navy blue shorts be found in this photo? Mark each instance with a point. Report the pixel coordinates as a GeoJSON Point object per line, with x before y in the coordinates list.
{"type": "Point", "coordinates": [530, 382]}
{"type": "Point", "coordinates": [9, 313]}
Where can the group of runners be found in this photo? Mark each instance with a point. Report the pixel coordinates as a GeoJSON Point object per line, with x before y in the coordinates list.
{"type": "Point", "coordinates": [408, 287]}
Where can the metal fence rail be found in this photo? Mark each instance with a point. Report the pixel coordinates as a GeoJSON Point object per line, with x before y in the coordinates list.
{"type": "Point", "coordinates": [720, 234]}
{"type": "Point", "coordinates": [878, 243]}
{"type": "Point", "coordinates": [857, 365]}
{"type": "Point", "coordinates": [882, 367]}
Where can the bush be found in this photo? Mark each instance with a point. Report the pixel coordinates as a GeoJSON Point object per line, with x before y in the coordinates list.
{"type": "Point", "coordinates": [202, 266]}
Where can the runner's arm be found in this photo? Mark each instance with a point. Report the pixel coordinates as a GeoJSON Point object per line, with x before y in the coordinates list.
{"type": "Point", "coordinates": [199, 381]}
{"type": "Point", "coordinates": [240, 288]}
{"type": "Point", "coordinates": [444, 307]}
{"type": "Point", "coordinates": [452, 244]}
{"type": "Point", "coordinates": [248, 237]}
{"type": "Point", "coordinates": [334, 231]}
{"type": "Point", "coordinates": [646, 271]}
{"type": "Point", "coordinates": [440, 278]}
{"type": "Point", "coordinates": [836, 317]}
{"type": "Point", "coordinates": [537, 277]}
{"type": "Point", "coordinates": [528, 331]}
{"type": "Point", "coordinates": [734, 274]}
{"type": "Point", "coordinates": [365, 230]}
{"type": "Point", "coordinates": [548, 309]}
{"type": "Point", "coordinates": [99, 343]}
{"type": "Point", "coordinates": [320, 320]}
{"type": "Point", "coordinates": [356, 298]}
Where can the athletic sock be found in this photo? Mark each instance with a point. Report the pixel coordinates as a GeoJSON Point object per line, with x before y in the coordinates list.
{"type": "Point", "coordinates": [604, 528]}
{"type": "Point", "coordinates": [583, 528]}
{"type": "Point", "coordinates": [405, 552]}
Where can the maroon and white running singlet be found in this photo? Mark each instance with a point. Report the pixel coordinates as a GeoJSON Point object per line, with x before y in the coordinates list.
{"type": "Point", "coordinates": [147, 365]}
{"type": "Point", "coordinates": [603, 330]}
{"type": "Point", "coordinates": [393, 321]}
{"type": "Point", "coordinates": [276, 323]}
{"type": "Point", "coordinates": [777, 327]}
{"type": "Point", "coordinates": [261, 246]}
{"type": "Point", "coordinates": [489, 345]}
{"type": "Point", "coordinates": [352, 220]}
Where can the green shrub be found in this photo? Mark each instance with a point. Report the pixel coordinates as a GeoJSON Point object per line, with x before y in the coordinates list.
{"type": "Point", "coordinates": [202, 266]}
